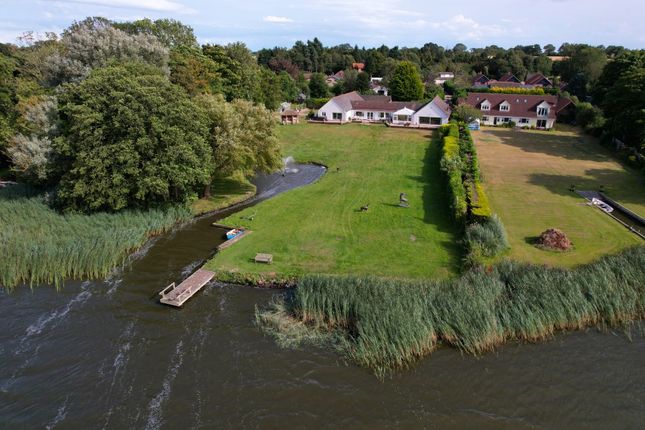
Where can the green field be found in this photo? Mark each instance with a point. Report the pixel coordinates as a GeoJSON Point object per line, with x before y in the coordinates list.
{"type": "Point", "coordinates": [527, 175]}
{"type": "Point", "coordinates": [318, 228]}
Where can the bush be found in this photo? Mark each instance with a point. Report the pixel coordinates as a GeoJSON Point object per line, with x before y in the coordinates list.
{"type": "Point", "coordinates": [316, 103]}
{"type": "Point", "coordinates": [485, 240]}
{"type": "Point", "coordinates": [589, 117]}
{"type": "Point", "coordinates": [452, 165]}
{"type": "Point", "coordinates": [481, 210]}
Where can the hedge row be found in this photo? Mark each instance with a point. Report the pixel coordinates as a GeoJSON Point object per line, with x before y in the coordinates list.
{"type": "Point", "coordinates": [460, 164]}
{"type": "Point", "coordinates": [484, 234]}
{"type": "Point", "coordinates": [453, 166]}
{"type": "Point", "coordinates": [479, 209]}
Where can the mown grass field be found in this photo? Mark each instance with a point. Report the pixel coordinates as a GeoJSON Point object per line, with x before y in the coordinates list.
{"type": "Point", "coordinates": [527, 175]}
{"type": "Point", "coordinates": [319, 229]}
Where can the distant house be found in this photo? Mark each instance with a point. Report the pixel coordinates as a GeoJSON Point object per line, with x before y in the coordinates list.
{"type": "Point", "coordinates": [442, 77]}
{"type": "Point", "coordinates": [480, 80]}
{"type": "Point", "coordinates": [356, 107]}
{"type": "Point", "coordinates": [358, 66]}
{"type": "Point", "coordinates": [508, 77]}
{"type": "Point", "coordinates": [333, 79]}
{"type": "Point", "coordinates": [376, 85]}
{"type": "Point", "coordinates": [539, 111]}
{"type": "Point", "coordinates": [508, 80]}
{"type": "Point", "coordinates": [538, 79]}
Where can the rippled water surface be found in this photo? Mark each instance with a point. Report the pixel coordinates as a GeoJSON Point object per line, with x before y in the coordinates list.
{"type": "Point", "coordinates": [104, 354]}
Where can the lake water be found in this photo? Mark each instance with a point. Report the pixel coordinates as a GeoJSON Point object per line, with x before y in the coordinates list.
{"type": "Point", "coordinates": [105, 354]}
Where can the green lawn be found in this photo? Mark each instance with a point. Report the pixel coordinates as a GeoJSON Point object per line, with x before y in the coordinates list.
{"type": "Point", "coordinates": [318, 228]}
{"type": "Point", "coordinates": [527, 175]}
{"type": "Point", "coordinates": [224, 192]}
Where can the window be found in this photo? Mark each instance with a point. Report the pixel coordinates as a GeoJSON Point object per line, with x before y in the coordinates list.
{"type": "Point", "coordinates": [337, 115]}
{"type": "Point", "coordinates": [505, 107]}
{"type": "Point", "coordinates": [542, 111]}
{"type": "Point", "coordinates": [370, 115]}
{"type": "Point", "coordinates": [541, 123]}
{"type": "Point", "coordinates": [424, 120]}
{"type": "Point", "coordinates": [484, 119]}
{"type": "Point", "coordinates": [402, 117]}
{"type": "Point", "coordinates": [524, 120]}
{"type": "Point", "coordinates": [506, 119]}
{"type": "Point", "coordinates": [485, 106]}
{"type": "Point", "coordinates": [382, 114]}
{"type": "Point", "coordinates": [435, 121]}
{"type": "Point", "coordinates": [359, 114]}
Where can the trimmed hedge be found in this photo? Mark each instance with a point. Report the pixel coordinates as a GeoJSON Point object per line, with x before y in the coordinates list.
{"type": "Point", "coordinates": [468, 199]}
{"type": "Point", "coordinates": [452, 165]}
{"type": "Point", "coordinates": [480, 207]}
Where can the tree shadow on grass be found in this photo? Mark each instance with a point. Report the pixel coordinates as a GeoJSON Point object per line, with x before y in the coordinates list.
{"type": "Point", "coordinates": [436, 207]}
{"type": "Point", "coordinates": [555, 145]}
{"type": "Point", "coordinates": [614, 183]}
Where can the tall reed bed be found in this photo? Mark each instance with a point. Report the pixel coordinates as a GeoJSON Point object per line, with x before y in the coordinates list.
{"type": "Point", "coordinates": [40, 245]}
{"type": "Point", "coordinates": [386, 324]}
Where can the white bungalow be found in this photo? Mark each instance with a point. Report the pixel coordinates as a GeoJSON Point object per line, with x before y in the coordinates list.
{"type": "Point", "coordinates": [355, 107]}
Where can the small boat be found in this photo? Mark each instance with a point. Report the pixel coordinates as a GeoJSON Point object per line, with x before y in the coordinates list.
{"type": "Point", "coordinates": [234, 233]}
{"type": "Point", "coordinates": [602, 205]}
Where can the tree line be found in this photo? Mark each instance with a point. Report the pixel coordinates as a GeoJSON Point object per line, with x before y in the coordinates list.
{"type": "Point", "coordinates": [136, 114]}
{"type": "Point", "coordinates": [111, 116]}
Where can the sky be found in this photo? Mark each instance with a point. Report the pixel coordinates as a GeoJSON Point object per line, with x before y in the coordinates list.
{"type": "Point", "coordinates": [369, 23]}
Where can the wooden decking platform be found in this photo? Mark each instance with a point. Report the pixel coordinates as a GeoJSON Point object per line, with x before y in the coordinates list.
{"type": "Point", "coordinates": [177, 295]}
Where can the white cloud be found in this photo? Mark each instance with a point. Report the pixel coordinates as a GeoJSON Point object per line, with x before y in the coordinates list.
{"type": "Point", "coordinates": [278, 19]}
{"type": "Point", "coordinates": [153, 5]}
{"type": "Point", "coordinates": [463, 28]}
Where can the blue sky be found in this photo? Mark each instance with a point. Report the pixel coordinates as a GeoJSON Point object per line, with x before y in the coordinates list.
{"type": "Point", "coordinates": [365, 23]}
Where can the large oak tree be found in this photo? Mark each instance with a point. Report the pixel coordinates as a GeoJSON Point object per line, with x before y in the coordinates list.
{"type": "Point", "coordinates": [129, 138]}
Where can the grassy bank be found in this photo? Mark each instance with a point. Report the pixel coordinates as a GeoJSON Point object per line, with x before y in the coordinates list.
{"type": "Point", "coordinates": [527, 176]}
{"type": "Point", "coordinates": [387, 324]}
{"type": "Point", "coordinates": [225, 192]}
{"type": "Point", "coordinates": [39, 245]}
{"type": "Point", "coordinates": [319, 228]}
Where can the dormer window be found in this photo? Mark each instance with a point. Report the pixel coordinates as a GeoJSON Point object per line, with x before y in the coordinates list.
{"type": "Point", "coordinates": [543, 111]}
{"type": "Point", "coordinates": [505, 106]}
{"type": "Point", "coordinates": [485, 105]}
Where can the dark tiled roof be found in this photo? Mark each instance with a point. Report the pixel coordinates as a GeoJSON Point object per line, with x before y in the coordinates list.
{"type": "Point", "coordinates": [480, 79]}
{"type": "Point", "coordinates": [563, 102]}
{"type": "Point", "coordinates": [522, 106]}
{"type": "Point", "coordinates": [508, 77]}
{"type": "Point", "coordinates": [537, 79]}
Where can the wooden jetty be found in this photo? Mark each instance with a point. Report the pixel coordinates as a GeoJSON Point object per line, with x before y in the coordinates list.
{"type": "Point", "coordinates": [234, 240]}
{"type": "Point", "coordinates": [177, 295]}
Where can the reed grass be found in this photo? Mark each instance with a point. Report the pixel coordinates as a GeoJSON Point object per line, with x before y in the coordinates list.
{"type": "Point", "coordinates": [387, 324]}
{"type": "Point", "coordinates": [41, 246]}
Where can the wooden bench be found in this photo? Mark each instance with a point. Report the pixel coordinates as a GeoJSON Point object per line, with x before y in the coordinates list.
{"type": "Point", "coordinates": [264, 258]}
